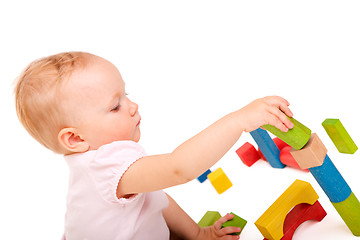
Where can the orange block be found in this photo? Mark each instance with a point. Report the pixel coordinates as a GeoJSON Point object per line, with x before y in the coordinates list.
{"type": "Point", "coordinates": [312, 155]}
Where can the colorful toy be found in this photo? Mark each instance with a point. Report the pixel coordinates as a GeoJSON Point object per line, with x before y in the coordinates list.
{"type": "Point", "coordinates": [248, 154]}
{"type": "Point", "coordinates": [270, 224]}
{"type": "Point", "coordinates": [299, 214]}
{"type": "Point", "coordinates": [267, 147]}
{"type": "Point", "coordinates": [209, 219]}
{"type": "Point", "coordinates": [203, 176]}
{"type": "Point", "coordinates": [235, 222]}
{"type": "Point", "coordinates": [219, 180]}
{"type": "Point", "coordinates": [296, 137]}
{"type": "Point", "coordinates": [312, 155]}
{"type": "Point", "coordinates": [278, 142]}
{"type": "Point", "coordinates": [339, 136]}
{"type": "Point", "coordinates": [348, 208]}
{"type": "Point", "coordinates": [287, 159]}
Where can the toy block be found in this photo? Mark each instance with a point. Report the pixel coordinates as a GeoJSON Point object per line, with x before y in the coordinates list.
{"type": "Point", "coordinates": [267, 147]}
{"type": "Point", "coordinates": [331, 181]}
{"type": "Point", "coordinates": [349, 210]}
{"type": "Point", "coordinates": [299, 214]}
{"type": "Point", "coordinates": [287, 159]}
{"type": "Point", "coordinates": [203, 176]}
{"type": "Point", "coordinates": [270, 224]}
{"type": "Point", "coordinates": [209, 219]}
{"type": "Point", "coordinates": [339, 136]}
{"type": "Point", "coordinates": [278, 142]}
{"type": "Point", "coordinates": [219, 180]}
{"type": "Point", "coordinates": [296, 137]}
{"type": "Point", "coordinates": [312, 155]}
{"type": "Point", "coordinates": [248, 154]}
{"type": "Point", "coordinates": [235, 222]}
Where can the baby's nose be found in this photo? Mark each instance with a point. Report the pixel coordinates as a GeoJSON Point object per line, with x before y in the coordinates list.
{"type": "Point", "coordinates": [133, 108]}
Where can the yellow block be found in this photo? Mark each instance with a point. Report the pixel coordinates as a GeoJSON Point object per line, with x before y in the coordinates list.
{"type": "Point", "coordinates": [271, 223]}
{"type": "Point", "coordinates": [219, 180]}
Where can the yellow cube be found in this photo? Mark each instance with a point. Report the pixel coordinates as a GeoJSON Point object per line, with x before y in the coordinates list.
{"type": "Point", "coordinates": [219, 180]}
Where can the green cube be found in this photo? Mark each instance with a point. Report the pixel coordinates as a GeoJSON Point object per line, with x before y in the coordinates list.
{"type": "Point", "coordinates": [209, 219]}
{"type": "Point", "coordinates": [296, 137]}
{"type": "Point", "coordinates": [339, 136]}
{"type": "Point", "coordinates": [235, 222]}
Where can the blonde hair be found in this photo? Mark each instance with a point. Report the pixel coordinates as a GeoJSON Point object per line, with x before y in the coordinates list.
{"type": "Point", "coordinates": [37, 96]}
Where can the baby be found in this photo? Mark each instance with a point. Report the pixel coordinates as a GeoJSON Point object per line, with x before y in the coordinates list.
{"type": "Point", "coordinates": [75, 104]}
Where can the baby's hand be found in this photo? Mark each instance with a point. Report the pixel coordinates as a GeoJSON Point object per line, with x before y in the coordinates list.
{"type": "Point", "coordinates": [216, 232]}
{"type": "Point", "coordinates": [267, 110]}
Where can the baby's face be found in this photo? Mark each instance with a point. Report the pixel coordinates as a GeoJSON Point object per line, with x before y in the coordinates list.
{"type": "Point", "coordinates": [96, 104]}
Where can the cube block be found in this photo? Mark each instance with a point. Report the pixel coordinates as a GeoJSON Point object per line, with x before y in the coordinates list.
{"type": "Point", "coordinates": [339, 136]}
{"type": "Point", "coordinates": [312, 155]}
{"type": "Point", "coordinates": [248, 154]}
{"type": "Point", "coordinates": [235, 222]}
{"type": "Point", "coordinates": [296, 137]}
{"type": "Point", "coordinates": [287, 159]}
{"type": "Point", "coordinates": [219, 180]}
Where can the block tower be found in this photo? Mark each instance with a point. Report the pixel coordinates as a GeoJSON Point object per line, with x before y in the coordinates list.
{"type": "Point", "coordinates": [310, 152]}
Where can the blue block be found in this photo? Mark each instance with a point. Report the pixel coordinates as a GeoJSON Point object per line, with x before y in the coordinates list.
{"type": "Point", "coordinates": [331, 181]}
{"type": "Point", "coordinates": [267, 147]}
{"type": "Point", "coordinates": [203, 176]}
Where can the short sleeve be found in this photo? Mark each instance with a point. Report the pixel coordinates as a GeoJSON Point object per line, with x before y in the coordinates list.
{"type": "Point", "coordinates": [108, 166]}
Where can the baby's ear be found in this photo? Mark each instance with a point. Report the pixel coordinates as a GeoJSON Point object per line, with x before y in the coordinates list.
{"type": "Point", "coordinates": [72, 141]}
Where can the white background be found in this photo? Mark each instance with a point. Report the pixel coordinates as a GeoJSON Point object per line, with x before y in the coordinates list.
{"type": "Point", "coordinates": [187, 63]}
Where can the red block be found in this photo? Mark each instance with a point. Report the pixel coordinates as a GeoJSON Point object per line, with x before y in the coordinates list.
{"type": "Point", "coordinates": [299, 214]}
{"type": "Point", "coordinates": [248, 154]}
{"type": "Point", "coordinates": [278, 142]}
{"type": "Point", "coordinates": [287, 159]}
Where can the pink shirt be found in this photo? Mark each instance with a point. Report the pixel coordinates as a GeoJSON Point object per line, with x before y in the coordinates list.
{"type": "Point", "coordinates": [93, 210]}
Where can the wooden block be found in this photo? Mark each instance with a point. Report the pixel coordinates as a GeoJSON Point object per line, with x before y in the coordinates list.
{"type": "Point", "coordinates": [312, 155]}
{"type": "Point", "coordinates": [287, 159]}
{"type": "Point", "coordinates": [299, 214]}
{"type": "Point", "coordinates": [267, 147]}
{"type": "Point", "coordinates": [248, 154]}
{"type": "Point", "coordinates": [270, 224]}
{"type": "Point", "coordinates": [209, 219]}
{"type": "Point", "coordinates": [331, 181]}
{"type": "Point", "coordinates": [279, 143]}
{"type": "Point", "coordinates": [203, 176]}
{"type": "Point", "coordinates": [296, 137]}
{"type": "Point", "coordinates": [219, 180]}
{"type": "Point", "coordinates": [349, 210]}
{"type": "Point", "coordinates": [339, 136]}
{"type": "Point", "coordinates": [235, 222]}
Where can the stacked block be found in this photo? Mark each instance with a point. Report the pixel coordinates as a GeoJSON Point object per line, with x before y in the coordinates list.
{"type": "Point", "coordinates": [296, 137]}
{"type": "Point", "coordinates": [211, 217]}
{"type": "Point", "coordinates": [314, 157]}
{"type": "Point", "coordinates": [312, 154]}
{"type": "Point", "coordinates": [287, 158]}
{"type": "Point", "coordinates": [339, 136]}
{"type": "Point", "coordinates": [267, 147]}
{"type": "Point", "coordinates": [219, 180]}
{"type": "Point", "coordinates": [270, 224]}
{"type": "Point", "coordinates": [299, 214]}
{"type": "Point", "coordinates": [235, 222]}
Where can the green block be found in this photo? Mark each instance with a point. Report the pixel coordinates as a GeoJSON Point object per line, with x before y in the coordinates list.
{"type": "Point", "coordinates": [209, 219]}
{"type": "Point", "coordinates": [339, 136]}
{"type": "Point", "coordinates": [296, 137]}
{"type": "Point", "coordinates": [235, 222]}
{"type": "Point", "coordinates": [349, 210]}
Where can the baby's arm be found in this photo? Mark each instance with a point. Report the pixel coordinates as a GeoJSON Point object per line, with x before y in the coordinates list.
{"type": "Point", "coordinates": [199, 153]}
{"type": "Point", "coordinates": [183, 227]}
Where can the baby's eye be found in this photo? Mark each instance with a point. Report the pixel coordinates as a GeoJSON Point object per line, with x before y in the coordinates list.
{"type": "Point", "coordinates": [116, 108]}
